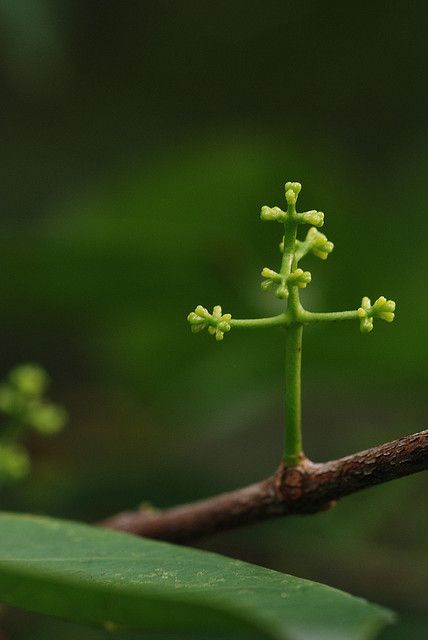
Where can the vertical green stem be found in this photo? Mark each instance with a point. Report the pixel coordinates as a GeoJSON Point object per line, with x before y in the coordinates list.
{"type": "Point", "coordinates": [293, 411]}
{"type": "Point", "coordinates": [293, 352]}
{"type": "Point", "coordinates": [290, 233]}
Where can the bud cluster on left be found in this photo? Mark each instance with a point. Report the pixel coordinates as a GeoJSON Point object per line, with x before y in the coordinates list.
{"type": "Point", "coordinates": [217, 322]}
{"type": "Point", "coordinates": [23, 406]}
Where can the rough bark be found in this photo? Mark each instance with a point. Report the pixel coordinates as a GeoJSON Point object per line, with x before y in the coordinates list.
{"type": "Point", "coordinates": [305, 489]}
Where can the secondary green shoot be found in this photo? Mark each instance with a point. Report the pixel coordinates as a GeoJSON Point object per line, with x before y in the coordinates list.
{"type": "Point", "coordinates": [23, 408]}
{"type": "Point", "coordinates": [285, 285]}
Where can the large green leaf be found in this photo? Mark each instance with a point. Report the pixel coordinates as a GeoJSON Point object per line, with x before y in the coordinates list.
{"type": "Point", "coordinates": [90, 575]}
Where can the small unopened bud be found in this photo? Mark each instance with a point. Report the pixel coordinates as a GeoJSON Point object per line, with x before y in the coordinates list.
{"type": "Point", "coordinates": [318, 243]}
{"type": "Point", "coordinates": [291, 197]}
{"type": "Point", "coordinates": [293, 186]}
{"type": "Point", "coordinates": [201, 311]}
{"type": "Point", "coordinates": [381, 308]}
{"type": "Point", "coordinates": [266, 285]}
{"type": "Point", "coordinates": [46, 418]}
{"type": "Point", "coordinates": [29, 379]}
{"type": "Point", "coordinates": [216, 322]}
{"type": "Point", "coordinates": [366, 325]}
{"type": "Point", "coordinates": [217, 312]}
{"type": "Point", "coordinates": [195, 328]}
{"type": "Point", "coordinates": [270, 274]}
{"type": "Point", "coordinates": [384, 309]}
{"type": "Point", "coordinates": [313, 217]}
{"type": "Point", "coordinates": [299, 278]}
{"type": "Point", "coordinates": [365, 304]}
{"type": "Point", "coordinates": [282, 292]}
{"type": "Point", "coordinates": [198, 319]}
{"type": "Point", "coordinates": [14, 462]}
{"type": "Point", "coordinates": [195, 319]}
{"type": "Point", "coordinates": [272, 213]}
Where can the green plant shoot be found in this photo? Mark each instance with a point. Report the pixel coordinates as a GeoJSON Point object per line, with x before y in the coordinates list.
{"type": "Point", "coordinates": [24, 407]}
{"type": "Point", "coordinates": [285, 284]}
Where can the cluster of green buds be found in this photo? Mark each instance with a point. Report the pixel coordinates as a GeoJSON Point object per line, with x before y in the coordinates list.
{"type": "Point", "coordinates": [381, 308]}
{"type": "Point", "coordinates": [297, 278]}
{"type": "Point", "coordinates": [315, 243]}
{"type": "Point", "coordinates": [292, 190]}
{"type": "Point", "coordinates": [24, 406]}
{"type": "Point", "coordinates": [286, 284]}
{"type": "Point", "coordinates": [290, 277]}
{"type": "Point", "coordinates": [217, 322]}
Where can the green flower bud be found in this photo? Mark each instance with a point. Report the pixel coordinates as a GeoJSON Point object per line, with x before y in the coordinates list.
{"type": "Point", "coordinates": [194, 319]}
{"type": "Point", "coordinates": [217, 312]}
{"type": "Point", "coordinates": [313, 217]}
{"type": "Point", "coordinates": [217, 323]}
{"type": "Point", "coordinates": [14, 463]}
{"type": "Point", "coordinates": [293, 186]}
{"type": "Point", "coordinates": [282, 292]}
{"type": "Point", "coordinates": [271, 275]}
{"type": "Point", "coordinates": [366, 304]}
{"type": "Point", "coordinates": [382, 308]}
{"type": "Point", "coordinates": [319, 245]}
{"type": "Point", "coordinates": [299, 278]}
{"type": "Point", "coordinates": [366, 325]}
{"type": "Point", "coordinates": [199, 318]}
{"type": "Point", "coordinates": [46, 418]}
{"type": "Point", "coordinates": [195, 328]}
{"type": "Point", "coordinates": [272, 213]}
{"type": "Point", "coordinates": [202, 312]}
{"type": "Point", "coordinates": [266, 285]}
{"type": "Point", "coordinates": [291, 197]}
{"type": "Point", "coordinates": [11, 402]}
{"type": "Point", "coordinates": [29, 379]}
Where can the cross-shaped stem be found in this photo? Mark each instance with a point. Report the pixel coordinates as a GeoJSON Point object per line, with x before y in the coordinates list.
{"type": "Point", "coordinates": [286, 284]}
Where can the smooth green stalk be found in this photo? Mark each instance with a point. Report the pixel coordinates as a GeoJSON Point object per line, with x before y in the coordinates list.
{"type": "Point", "coordinates": [309, 316]}
{"type": "Point", "coordinates": [293, 450]}
{"type": "Point", "coordinates": [274, 321]}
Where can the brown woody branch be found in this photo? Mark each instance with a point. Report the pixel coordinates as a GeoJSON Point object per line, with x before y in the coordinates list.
{"type": "Point", "coordinates": [307, 488]}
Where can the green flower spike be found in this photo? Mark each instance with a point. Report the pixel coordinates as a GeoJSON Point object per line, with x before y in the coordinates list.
{"type": "Point", "coordinates": [217, 323]}
{"type": "Point", "coordinates": [285, 283]}
{"type": "Point", "coordinates": [382, 308]}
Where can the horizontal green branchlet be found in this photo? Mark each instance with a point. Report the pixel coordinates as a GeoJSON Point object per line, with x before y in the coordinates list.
{"type": "Point", "coordinates": [24, 407]}
{"type": "Point", "coordinates": [285, 285]}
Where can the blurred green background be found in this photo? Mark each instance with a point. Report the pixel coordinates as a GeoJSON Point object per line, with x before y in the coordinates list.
{"type": "Point", "coordinates": [139, 140]}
